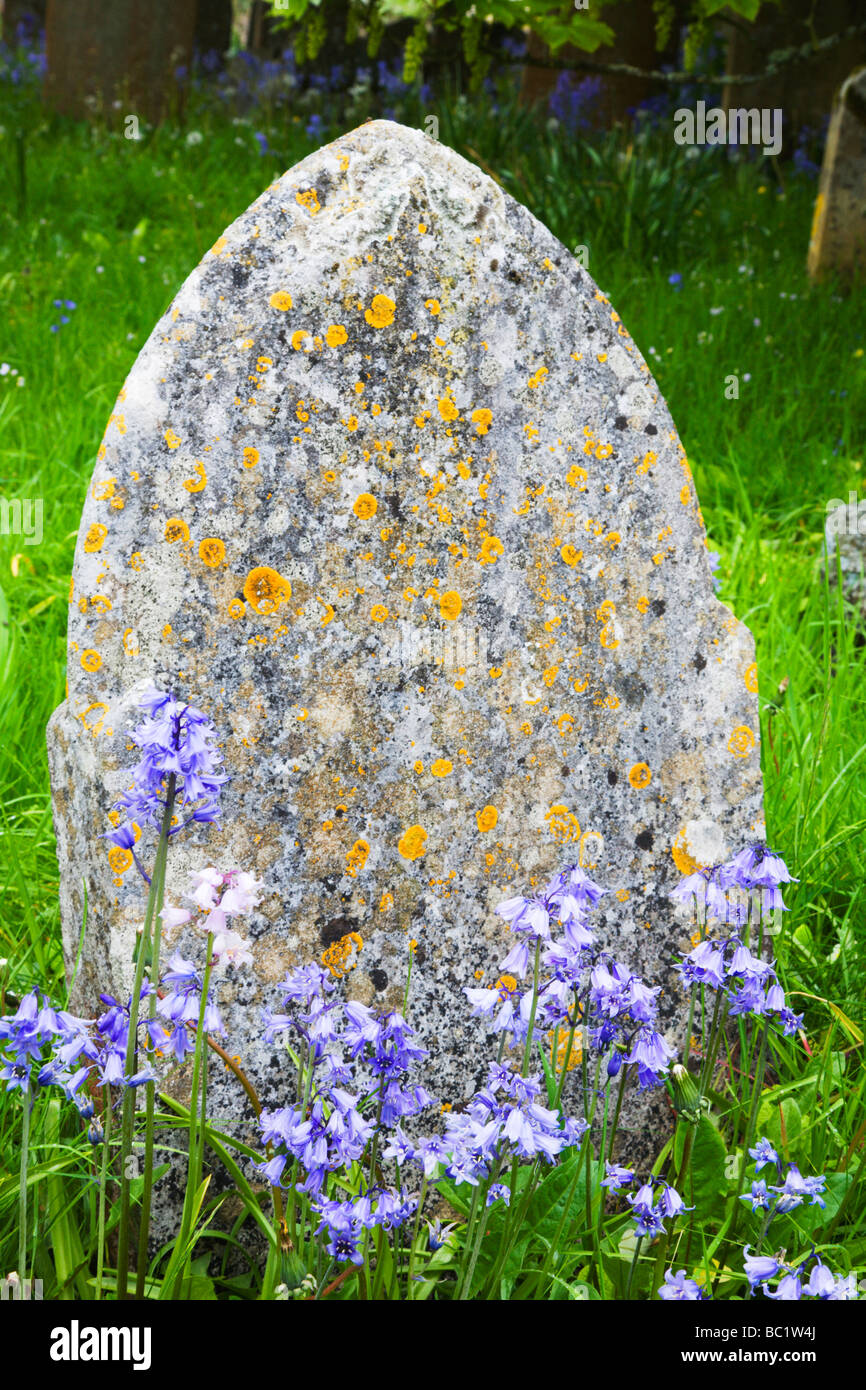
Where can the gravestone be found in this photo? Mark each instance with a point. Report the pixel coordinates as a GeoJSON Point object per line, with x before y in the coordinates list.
{"type": "Point", "coordinates": [390, 492]}
{"type": "Point", "coordinates": [838, 240]}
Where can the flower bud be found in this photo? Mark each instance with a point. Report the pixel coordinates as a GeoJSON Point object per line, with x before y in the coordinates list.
{"type": "Point", "coordinates": [687, 1102]}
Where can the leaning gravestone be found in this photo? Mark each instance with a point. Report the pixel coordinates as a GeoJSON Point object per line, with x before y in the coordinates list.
{"type": "Point", "coordinates": [838, 240]}
{"type": "Point", "coordinates": [391, 494]}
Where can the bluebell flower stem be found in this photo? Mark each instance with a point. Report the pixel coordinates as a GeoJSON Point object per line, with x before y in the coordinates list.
{"type": "Point", "coordinates": [634, 1260]}
{"type": "Point", "coordinates": [527, 1051]}
{"type": "Point", "coordinates": [22, 1183]}
{"type": "Point", "coordinates": [616, 1114]}
{"type": "Point", "coordinates": [103, 1181]}
{"type": "Point", "coordinates": [154, 905]}
{"type": "Point", "coordinates": [196, 1121]}
{"type": "Point", "coordinates": [410, 1288]}
{"type": "Point", "coordinates": [712, 1045]}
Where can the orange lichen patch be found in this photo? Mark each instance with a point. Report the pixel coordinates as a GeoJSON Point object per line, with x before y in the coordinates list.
{"type": "Point", "coordinates": [447, 409]}
{"type": "Point", "coordinates": [128, 646]}
{"type": "Point", "coordinates": [119, 859]}
{"type": "Point", "coordinates": [647, 462]}
{"type": "Point", "coordinates": [281, 299]}
{"type": "Point", "coordinates": [136, 560]}
{"type": "Point", "coordinates": [419, 767]}
{"type": "Point", "coordinates": [381, 311]}
{"type": "Point", "coordinates": [565, 724]}
{"type": "Point", "coordinates": [337, 958]}
{"type": "Point", "coordinates": [750, 678]}
{"type": "Point", "coordinates": [171, 439]}
{"type": "Point", "coordinates": [486, 818]}
{"type": "Point", "coordinates": [365, 506]}
{"type": "Point", "coordinates": [251, 457]}
{"type": "Point", "coordinates": [482, 419]}
{"type": "Point", "coordinates": [450, 605]}
{"type": "Point", "coordinates": [564, 825]}
{"type": "Point", "coordinates": [622, 895]}
{"type": "Point", "coordinates": [741, 742]}
{"type": "Point", "coordinates": [309, 199]}
{"type": "Point", "coordinates": [265, 589]}
{"type": "Point", "coordinates": [422, 228]}
{"type": "Point", "coordinates": [386, 901]}
{"type": "Point", "coordinates": [218, 246]}
{"type": "Point", "coordinates": [91, 660]}
{"type": "Point", "coordinates": [537, 377]}
{"type": "Point", "coordinates": [570, 555]}
{"type": "Point", "coordinates": [441, 767]}
{"type": "Point", "coordinates": [95, 537]}
{"type": "Point", "coordinates": [685, 494]}
{"type": "Point", "coordinates": [102, 491]}
{"type": "Point", "coordinates": [681, 857]}
{"type": "Point", "coordinates": [642, 603]}
{"type": "Point", "coordinates": [356, 857]}
{"type": "Point", "coordinates": [379, 613]}
{"type": "Point", "coordinates": [576, 475]}
{"type": "Point", "coordinates": [491, 549]}
{"type": "Point", "coordinates": [351, 423]}
{"type": "Point", "coordinates": [640, 776]}
{"type": "Point", "coordinates": [298, 338]}
{"type": "Point", "coordinates": [212, 551]}
{"type": "Point", "coordinates": [565, 1057]}
{"type": "Point", "coordinates": [176, 529]}
{"type": "Point", "coordinates": [550, 675]}
{"type": "Point", "coordinates": [433, 305]}
{"type": "Point", "coordinates": [336, 335]}
{"type": "Point", "coordinates": [100, 603]}
{"type": "Point", "coordinates": [412, 843]}
{"type": "Point", "coordinates": [236, 609]}
{"type": "Point", "coordinates": [197, 483]}
{"type": "Point", "coordinates": [328, 614]}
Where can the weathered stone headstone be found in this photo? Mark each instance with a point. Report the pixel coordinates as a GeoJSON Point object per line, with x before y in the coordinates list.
{"type": "Point", "coordinates": [838, 240]}
{"type": "Point", "coordinates": [844, 554]}
{"type": "Point", "coordinates": [391, 494]}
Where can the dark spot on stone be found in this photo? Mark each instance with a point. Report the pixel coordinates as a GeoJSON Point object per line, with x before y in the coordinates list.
{"type": "Point", "coordinates": [699, 661]}
{"type": "Point", "coordinates": [335, 929]}
{"type": "Point", "coordinates": [515, 278]}
{"type": "Point", "coordinates": [379, 978]}
{"type": "Point", "coordinates": [494, 264]}
{"type": "Point", "coordinates": [644, 840]}
{"type": "Point", "coordinates": [621, 422]}
{"type": "Point", "coordinates": [611, 777]}
{"type": "Point", "coordinates": [565, 770]}
{"type": "Point", "coordinates": [329, 882]}
{"type": "Point", "coordinates": [339, 811]}
{"type": "Point", "coordinates": [658, 606]}
{"type": "Point", "coordinates": [651, 429]}
{"type": "Point", "coordinates": [420, 953]}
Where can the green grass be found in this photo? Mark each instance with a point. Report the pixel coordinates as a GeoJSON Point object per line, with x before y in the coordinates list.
{"type": "Point", "coordinates": [117, 225]}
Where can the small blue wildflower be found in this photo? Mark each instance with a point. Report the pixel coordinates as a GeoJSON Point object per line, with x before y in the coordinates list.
{"type": "Point", "coordinates": [677, 1287]}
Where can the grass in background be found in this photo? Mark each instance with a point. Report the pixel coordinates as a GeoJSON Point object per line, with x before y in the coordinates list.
{"type": "Point", "coordinates": [704, 259]}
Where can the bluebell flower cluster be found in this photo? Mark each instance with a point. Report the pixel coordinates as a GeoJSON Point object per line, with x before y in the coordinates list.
{"type": "Point", "coordinates": [175, 739]}
{"type": "Point", "coordinates": [505, 1120]}
{"type": "Point", "coordinates": [66, 1050]}
{"type": "Point", "coordinates": [615, 1008]}
{"type": "Point", "coordinates": [745, 888]}
{"type": "Point", "coordinates": [728, 893]}
{"type": "Point", "coordinates": [678, 1288]}
{"type": "Point", "coordinates": [654, 1202]}
{"type": "Point", "coordinates": [357, 1064]}
{"type": "Point", "coordinates": [792, 1282]}
{"type": "Point", "coordinates": [791, 1191]}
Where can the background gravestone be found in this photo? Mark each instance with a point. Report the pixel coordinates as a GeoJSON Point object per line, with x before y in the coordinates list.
{"type": "Point", "coordinates": [838, 241]}
{"type": "Point", "coordinates": [391, 494]}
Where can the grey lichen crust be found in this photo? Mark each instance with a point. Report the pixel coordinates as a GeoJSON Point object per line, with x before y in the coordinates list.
{"type": "Point", "coordinates": [391, 494]}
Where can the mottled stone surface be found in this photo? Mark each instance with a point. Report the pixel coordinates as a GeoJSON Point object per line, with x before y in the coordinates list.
{"type": "Point", "coordinates": [838, 241]}
{"type": "Point", "coordinates": [391, 493]}
{"type": "Point", "coordinates": [844, 559]}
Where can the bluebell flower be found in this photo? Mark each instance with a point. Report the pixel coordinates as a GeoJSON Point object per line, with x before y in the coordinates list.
{"type": "Point", "coordinates": [788, 1289]}
{"type": "Point", "coordinates": [616, 1177]}
{"type": "Point", "coordinates": [677, 1287]}
{"type": "Point", "coordinates": [652, 1055]}
{"type": "Point", "coordinates": [175, 738]}
{"type": "Point", "coordinates": [796, 1189]}
{"type": "Point", "coordinates": [759, 1197]}
{"type": "Point", "coordinates": [675, 279]}
{"type": "Point", "coordinates": [759, 1268]}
